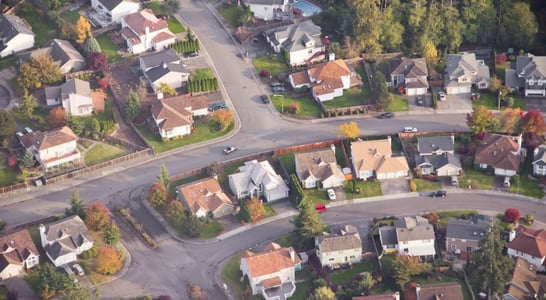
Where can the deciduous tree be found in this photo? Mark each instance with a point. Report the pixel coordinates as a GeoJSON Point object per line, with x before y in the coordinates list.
{"type": "Point", "coordinates": [171, 6]}
{"type": "Point", "coordinates": [348, 130]}
{"type": "Point", "coordinates": [175, 212]}
{"type": "Point", "coordinates": [430, 53]}
{"type": "Point", "coordinates": [222, 118]}
{"type": "Point", "coordinates": [131, 106]}
{"type": "Point", "coordinates": [97, 61]}
{"type": "Point", "coordinates": [77, 206]}
{"type": "Point", "coordinates": [533, 121]}
{"type": "Point", "coordinates": [51, 281]}
{"type": "Point", "coordinates": [166, 89]}
{"type": "Point", "coordinates": [108, 261]}
{"type": "Point", "coordinates": [531, 140]}
{"type": "Point", "coordinates": [98, 215]}
{"type": "Point", "coordinates": [322, 293]}
{"type": "Point", "coordinates": [57, 116]}
{"type": "Point", "coordinates": [28, 104]}
{"type": "Point", "coordinates": [7, 123]}
{"type": "Point", "coordinates": [510, 120]}
{"type": "Point", "coordinates": [36, 71]}
{"type": "Point", "coordinates": [367, 25]}
{"type": "Point", "coordinates": [255, 208]}
{"type": "Point", "coordinates": [406, 266]}
{"type": "Point", "coordinates": [95, 125]}
{"type": "Point", "coordinates": [495, 84]}
{"type": "Point", "coordinates": [157, 194]}
{"type": "Point", "coordinates": [75, 125]}
{"type": "Point", "coordinates": [112, 234]}
{"type": "Point", "coordinates": [308, 225]}
{"type": "Point", "coordinates": [480, 120]}
{"type": "Point", "coordinates": [193, 226]}
{"type": "Point", "coordinates": [83, 29]}
{"type": "Point", "coordinates": [511, 215]}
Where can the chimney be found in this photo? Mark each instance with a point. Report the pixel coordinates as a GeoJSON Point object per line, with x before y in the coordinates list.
{"type": "Point", "coordinates": [43, 235]}
{"type": "Point", "coordinates": [519, 143]}
{"type": "Point", "coordinates": [453, 139]}
{"type": "Point", "coordinates": [331, 56]}
{"type": "Point", "coordinates": [159, 95]}
{"type": "Point", "coordinates": [511, 235]}
{"type": "Point", "coordinates": [418, 291]}
{"type": "Point", "coordinates": [292, 254]}
{"type": "Point", "coordinates": [389, 139]}
{"type": "Point", "coordinates": [396, 296]}
{"type": "Point", "coordinates": [333, 147]}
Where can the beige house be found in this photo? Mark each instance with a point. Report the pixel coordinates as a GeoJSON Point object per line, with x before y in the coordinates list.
{"type": "Point", "coordinates": [205, 198]}
{"type": "Point", "coordinates": [174, 116]}
{"type": "Point", "coordinates": [61, 52]}
{"type": "Point", "coordinates": [17, 253]}
{"type": "Point", "coordinates": [53, 148]}
{"type": "Point", "coordinates": [339, 249]}
{"type": "Point", "coordinates": [143, 31]}
{"type": "Point", "coordinates": [74, 95]}
{"type": "Point", "coordinates": [374, 159]}
{"type": "Point", "coordinates": [318, 168]}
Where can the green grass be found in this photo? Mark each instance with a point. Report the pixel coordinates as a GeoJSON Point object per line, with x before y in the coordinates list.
{"type": "Point", "coordinates": [527, 187]}
{"type": "Point", "coordinates": [71, 16]}
{"type": "Point", "coordinates": [175, 26]}
{"type": "Point", "coordinates": [212, 229]}
{"type": "Point", "coordinates": [43, 29]}
{"type": "Point", "coordinates": [231, 275]}
{"type": "Point", "coordinates": [365, 84]}
{"type": "Point", "coordinates": [346, 277]}
{"type": "Point", "coordinates": [316, 196]}
{"type": "Point", "coordinates": [8, 62]}
{"type": "Point", "coordinates": [229, 15]}
{"type": "Point", "coordinates": [3, 292]}
{"type": "Point", "coordinates": [491, 101]}
{"type": "Point", "coordinates": [202, 74]}
{"type": "Point", "coordinates": [109, 48]}
{"type": "Point", "coordinates": [155, 7]}
{"type": "Point", "coordinates": [398, 103]}
{"type": "Point", "coordinates": [445, 216]}
{"type": "Point", "coordinates": [288, 160]}
{"type": "Point", "coordinates": [367, 189]}
{"type": "Point", "coordinates": [203, 131]}
{"type": "Point", "coordinates": [104, 116]}
{"type": "Point", "coordinates": [500, 70]}
{"type": "Point", "coordinates": [101, 153]}
{"type": "Point", "coordinates": [270, 63]}
{"type": "Point", "coordinates": [301, 290]}
{"type": "Point", "coordinates": [8, 177]}
{"type": "Point", "coordinates": [425, 185]}
{"type": "Point", "coordinates": [285, 241]}
{"type": "Point", "coordinates": [307, 107]}
{"type": "Point", "coordinates": [481, 180]}
{"type": "Point", "coordinates": [351, 97]}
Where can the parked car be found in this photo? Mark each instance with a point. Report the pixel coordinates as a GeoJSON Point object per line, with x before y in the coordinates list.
{"type": "Point", "coordinates": [78, 270]}
{"type": "Point", "coordinates": [229, 149]}
{"type": "Point", "coordinates": [387, 115]}
{"type": "Point", "coordinates": [217, 106]}
{"type": "Point", "coordinates": [191, 54]}
{"type": "Point", "coordinates": [278, 89]}
{"type": "Point", "coordinates": [442, 96]}
{"type": "Point", "coordinates": [331, 194]}
{"type": "Point", "coordinates": [439, 193]}
{"type": "Point", "coordinates": [265, 99]}
{"type": "Point", "coordinates": [276, 84]}
{"type": "Point", "coordinates": [410, 129]}
{"type": "Point", "coordinates": [420, 101]}
{"type": "Point", "coordinates": [19, 134]}
{"type": "Point", "coordinates": [27, 130]}
{"type": "Point", "coordinates": [320, 208]}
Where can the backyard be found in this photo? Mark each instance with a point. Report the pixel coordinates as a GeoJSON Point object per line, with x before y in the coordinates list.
{"type": "Point", "coordinates": [272, 64]}
{"type": "Point", "coordinates": [108, 48]}
{"type": "Point", "coordinates": [43, 29]}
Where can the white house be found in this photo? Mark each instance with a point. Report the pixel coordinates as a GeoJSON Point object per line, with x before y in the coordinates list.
{"type": "Point", "coordinates": [61, 52]}
{"type": "Point", "coordinates": [539, 161]}
{"type": "Point", "coordinates": [409, 236]}
{"type": "Point", "coordinates": [318, 168]}
{"type": "Point", "coordinates": [343, 248]}
{"type": "Point", "coordinates": [115, 10]}
{"type": "Point", "coordinates": [530, 244]}
{"type": "Point", "coordinates": [529, 75]}
{"type": "Point", "coordinates": [258, 179]}
{"type": "Point", "coordinates": [268, 10]}
{"type": "Point", "coordinates": [164, 67]}
{"type": "Point", "coordinates": [17, 253]}
{"type": "Point", "coordinates": [174, 116]}
{"type": "Point", "coordinates": [410, 73]}
{"type": "Point", "coordinates": [463, 71]}
{"type": "Point", "coordinates": [74, 95]}
{"type": "Point", "coordinates": [374, 159]}
{"type": "Point", "coordinates": [53, 148]}
{"type": "Point", "coordinates": [500, 152]}
{"type": "Point", "coordinates": [65, 239]}
{"type": "Point", "coordinates": [143, 31]}
{"type": "Point", "coordinates": [205, 198]}
{"type": "Point", "coordinates": [15, 35]}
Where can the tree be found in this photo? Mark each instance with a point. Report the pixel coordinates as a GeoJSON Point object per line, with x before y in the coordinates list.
{"type": "Point", "coordinates": [222, 118]}
{"type": "Point", "coordinates": [531, 140]}
{"type": "Point", "coordinates": [7, 124]}
{"type": "Point", "coordinates": [243, 14]}
{"type": "Point", "coordinates": [391, 35]}
{"type": "Point", "coordinates": [36, 71]}
{"type": "Point", "coordinates": [83, 28]}
{"type": "Point", "coordinates": [520, 27]}
{"type": "Point", "coordinates": [491, 264]}
{"type": "Point", "coordinates": [131, 106]}
{"type": "Point", "coordinates": [308, 225]}
{"type": "Point", "coordinates": [380, 92]}
{"type": "Point", "coordinates": [480, 120]}
{"type": "Point", "coordinates": [322, 293]}
{"type": "Point", "coordinates": [80, 293]}
{"type": "Point", "coordinates": [348, 130]}
{"type": "Point", "coordinates": [28, 76]}
{"type": "Point", "coordinates": [511, 215]}
{"type": "Point", "coordinates": [193, 226]}
{"type": "Point", "coordinates": [432, 217]}
{"type": "Point", "coordinates": [533, 121]}
{"type": "Point", "coordinates": [171, 7]}
{"type": "Point", "coordinates": [28, 104]}
{"type": "Point", "coordinates": [11, 161]}
{"type": "Point", "coordinates": [255, 208]}
{"type": "Point", "coordinates": [366, 283]}
{"type": "Point", "coordinates": [157, 194]}
{"type": "Point", "coordinates": [166, 89]}
{"type": "Point", "coordinates": [163, 175]}
{"type": "Point", "coordinates": [97, 61]}
{"type": "Point", "coordinates": [92, 45]}
{"type": "Point", "coordinates": [175, 213]}
{"type": "Point", "coordinates": [95, 125]}
{"type": "Point", "coordinates": [495, 84]}
{"type": "Point", "coordinates": [108, 260]}
{"type": "Point", "coordinates": [510, 120]}
{"type": "Point", "coordinates": [77, 206]}
{"type": "Point", "coordinates": [430, 53]}
{"type": "Point", "coordinates": [406, 266]}
{"type": "Point", "coordinates": [112, 234]}
{"type": "Point", "coordinates": [57, 116]}
{"type": "Point", "coordinates": [479, 19]}
{"type": "Point", "coordinates": [27, 160]}
{"type": "Point", "coordinates": [98, 215]}
{"type": "Point", "coordinates": [51, 281]}
{"type": "Point", "coordinates": [75, 125]}
{"type": "Point", "coordinates": [367, 25]}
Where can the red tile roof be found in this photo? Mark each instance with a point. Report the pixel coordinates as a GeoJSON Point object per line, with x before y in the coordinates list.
{"type": "Point", "coordinates": [163, 36]}
{"type": "Point", "coordinates": [48, 139]}
{"type": "Point", "coordinates": [271, 261]}
{"type": "Point", "coordinates": [530, 241]}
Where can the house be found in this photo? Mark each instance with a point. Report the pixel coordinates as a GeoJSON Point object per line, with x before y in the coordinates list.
{"type": "Point", "coordinates": [273, 269]}
{"type": "Point", "coordinates": [143, 31]}
{"type": "Point", "coordinates": [373, 159]}
{"type": "Point", "coordinates": [410, 73]}
{"type": "Point", "coordinates": [258, 179]}
{"type": "Point", "coordinates": [434, 291]}
{"type": "Point", "coordinates": [174, 116]}
{"type": "Point", "coordinates": [529, 75]}
{"type": "Point", "coordinates": [529, 244]}
{"type": "Point", "coordinates": [74, 95]}
{"type": "Point", "coordinates": [15, 35]}
{"type": "Point", "coordinates": [164, 67]}
{"type": "Point", "coordinates": [53, 148]}
{"type": "Point", "coordinates": [302, 41]}
{"type": "Point", "coordinates": [65, 239]}
{"type": "Point", "coordinates": [17, 253]}
{"type": "Point", "coordinates": [318, 168]}
{"type": "Point", "coordinates": [268, 10]}
{"type": "Point", "coordinates": [61, 52]}
{"type": "Point", "coordinates": [525, 283]}
{"type": "Point", "coordinates": [342, 248]}
{"type": "Point", "coordinates": [539, 161]}
{"type": "Point", "coordinates": [465, 235]}
{"type": "Point", "coordinates": [115, 10]}
{"type": "Point", "coordinates": [326, 80]}
{"type": "Point", "coordinates": [409, 236]}
{"type": "Point", "coordinates": [205, 198]}
{"type": "Point", "coordinates": [463, 71]}
{"type": "Point", "coordinates": [500, 152]}
{"type": "Point", "coordinates": [436, 156]}
{"type": "Point", "coordinates": [389, 296]}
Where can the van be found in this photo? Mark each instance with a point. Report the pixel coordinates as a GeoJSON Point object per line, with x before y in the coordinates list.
{"type": "Point", "coordinates": [506, 182]}
{"type": "Point", "coordinates": [454, 181]}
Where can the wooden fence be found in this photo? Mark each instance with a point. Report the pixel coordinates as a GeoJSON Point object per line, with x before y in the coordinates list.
{"type": "Point", "coordinates": [322, 144]}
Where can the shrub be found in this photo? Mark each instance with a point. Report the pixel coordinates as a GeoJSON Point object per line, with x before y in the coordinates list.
{"type": "Point", "coordinates": [11, 161]}
{"type": "Point", "coordinates": [294, 107]}
{"type": "Point", "coordinates": [90, 253]}
{"type": "Point", "coordinates": [157, 194]}
{"type": "Point", "coordinates": [501, 58]}
{"type": "Point", "coordinates": [511, 215]}
{"type": "Point", "coordinates": [529, 219]}
{"type": "Point", "coordinates": [264, 73]}
{"type": "Point", "coordinates": [412, 186]}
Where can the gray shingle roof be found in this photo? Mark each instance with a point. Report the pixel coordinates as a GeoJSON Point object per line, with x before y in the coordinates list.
{"type": "Point", "coordinates": [75, 86]}
{"type": "Point", "coordinates": [292, 37]}
{"type": "Point", "coordinates": [473, 229]}
{"type": "Point", "coordinates": [265, 2]}
{"type": "Point", "coordinates": [10, 26]}
{"type": "Point", "coordinates": [410, 67]}
{"type": "Point", "coordinates": [539, 156]}
{"type": "Point", "coordinates": [438, 161]}
{"type": "Point", "coordinates": [330, 243]}
{"type": "Point", "coordinates": [158, 58]}
{"type": "Point", "coordinates": [431, 144]}
{"type": "Point", "coordinates": [160, 71]}
{"type": "Point", "coordinates": [388, 235]}
{"type": "Point", "coordinates": [319, 163]}
{"type": "Point", "coordinates": [530, 66]}
{"type": "Point", "coordinates": [71, 227]}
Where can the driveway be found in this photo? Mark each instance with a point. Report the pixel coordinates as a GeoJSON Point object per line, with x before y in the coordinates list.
{"type": "Point", "coordinates": [454, 103]}
{"type": "Point", "coordinates": [537, 103]}
{"type": "Point", "coordinates": [419, 109]}
{"type": "Point", "coordinates": [394, 186]}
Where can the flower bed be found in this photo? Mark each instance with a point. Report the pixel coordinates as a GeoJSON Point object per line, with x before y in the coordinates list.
{"type": "Point", "coordinates": [126, 215]}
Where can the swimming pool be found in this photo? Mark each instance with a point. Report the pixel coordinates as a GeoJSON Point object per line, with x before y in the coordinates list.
{"type": "Point", "coordinates": [307, 8]}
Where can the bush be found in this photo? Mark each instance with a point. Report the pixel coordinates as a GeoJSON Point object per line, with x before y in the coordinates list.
{"type": "Point", "coordinates": [412, 186]}
{"type": "Point", "coordinates": [511, 215]}
{"type": "Point", "coordinates": [264, 73]}
{"type": "Point", "coordinates": [90, 253]}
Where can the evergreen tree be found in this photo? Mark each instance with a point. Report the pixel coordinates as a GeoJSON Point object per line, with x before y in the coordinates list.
{"type": "Point", "coordinates": [75, 125]}
{"type": "Point", "coordinates": [92, 45]}
{"type": "Point", "coordinates": [163, 175]}
{"type": "Point", "coordinates": [7, 123]}
{"type": "Point", "coordinates": [308, 225]}
{"type": "Point", "coordinates": [112, 234]}
{"type": "Point", "coordinates": [77, 206]}
{"type": "Point", "coordinates": [28, 104]}
{"type": "Point", "coordinates": [131, 107]}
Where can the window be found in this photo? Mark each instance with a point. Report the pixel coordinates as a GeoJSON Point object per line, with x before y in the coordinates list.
{"type": "Point", "coordinates": [531, 82]}
{"type": "Point", "coordinates": [331, 259]}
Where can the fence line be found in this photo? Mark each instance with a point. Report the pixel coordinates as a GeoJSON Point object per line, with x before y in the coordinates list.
{"type": "Point", "coordinates": [316, 145]}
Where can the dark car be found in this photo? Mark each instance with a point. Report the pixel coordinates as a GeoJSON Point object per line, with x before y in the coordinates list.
{"type": "Point", "coordinates": [229, 149]}
{"type": "Point", "coordinates": [191, 54]}
{"type": "Point", "coordinates": [420, 101]}
{"type": "Point", "coordinates": [275, 83]}
{"type": "Point", "coordinates": [265, 99]}
{"type": "Point", "coordinates": [439, 193]}
{"type": "Point", "coordinates": [387, 115]}
{"type": "Point", "coordinates": [320, 208]}
{"type": "Point", "coordinates": [217, 106]}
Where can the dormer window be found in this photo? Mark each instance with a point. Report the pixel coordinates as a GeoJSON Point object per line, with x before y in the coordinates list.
{"type": "Point", "coordinates": [531, 82]}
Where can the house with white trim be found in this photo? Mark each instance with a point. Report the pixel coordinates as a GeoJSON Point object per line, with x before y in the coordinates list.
{"type": "Point", "coordinates": [258, 179]}
{"type": "Point", "coordinates": [409, 236]}
{"type": "Point", "coordinates": [53, 148]}
{"type": "Point", "coordinates": [143, 31]}
{"type": "Point", "coordinates": [15, 35]}
{"type": "Point", "coordinates": [115, 10]}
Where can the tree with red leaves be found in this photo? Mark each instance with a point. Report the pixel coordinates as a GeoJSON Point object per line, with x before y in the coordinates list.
{"type": "Point", "coordinates": [531, 140]}
{"type": "Point", "coordinates": [11, 161]}
{"type": "Point", "coordinates": [97, 61]}
{"type": "Point", "coordinates": [98, 215]}
{"type": "Point", "coordinates": [57, 116]}
{"type": "Point", "coordinates": [533, 121]}
{"type": "Point", "coordinates": [511, 215]}
{"type": "Point", "coordinates": [104, 83]}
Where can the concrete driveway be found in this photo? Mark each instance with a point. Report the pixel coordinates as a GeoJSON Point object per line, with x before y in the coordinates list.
{"type": "Point", "coordinates": [394, 186]}
{"type": "Point", "coordinates": [454, 103]}
{"type": "Point", "coordinates": [413, 107]}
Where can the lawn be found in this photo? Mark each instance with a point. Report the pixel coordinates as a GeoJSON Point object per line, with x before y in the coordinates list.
{"type": "Point", "coordinates": [202, 74]}
{"type": "Point", "coordinates": [106, 115]}
{"type": "Point", "coordinates": [301, 290]}
{"type": "Point", "coordinates": [527, 187]}
{"type": "Point", "coordinates": [212, 229]}
{"type": "Point", "coordinates": [426, 185]}
{"type": "Point", "coordinates": [101, 153]}
{"type": "Point", "coordinates": [344, 278]}
{"type": "Point", "coordinates": [175, 26]}
{"type": "Point", "coordinates": [231, 275]}
{"type": "Point", "coordinates": [71, 16]}
{"type": "Point", "coordinates": [445, 216]}
{"type": "Point", "coordinates": [491, 101]}
{"type": "Point", "coordinates": [500, 69]}
{"type": "Point", "coordinates": [203, 131]}
{"type": "Point", "coordinates": [317, 196]}
{"type": "Point", "coordinates": [367, 189]}
{"type": "Point", "coordinates": [271, 63]}
{"type": "Point", "coordinates": [477, 178]}
{"type": "Point", "coordinates": [398, 103]}
{"type": "Point", "coordinates": [288, 161]}
{"type": "Point", "coordinates": [365, 84]}
{"type": "Point", "coordinates": [8, 177]}
{"type": "Point", "coordinates": [307, 107]}
{"type": "Point", "coordinates": [8, 62]}
{"type": "Point", "coordinates": [43, 29]}
{"type": "Point", "coordinates": [229, 15]}
{"type": "Point", "coordinates": [351, 97]}
{"type": "Point", "coordinates": [108, 48]}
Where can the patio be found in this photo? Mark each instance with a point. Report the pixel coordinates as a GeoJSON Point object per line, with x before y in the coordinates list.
{"type": "Point", "coordinates": [284, 291]}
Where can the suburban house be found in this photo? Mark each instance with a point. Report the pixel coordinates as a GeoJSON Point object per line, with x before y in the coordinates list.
{"type": "Point", "coordinates": [339, 249]}
{"type": "Point", "coordinates": [174, 116]}
{"type": "Point", "coordinates": [74, 95]}
{"type": "Point", "coordinates": [463, 71]}
{"type": "Point", "coordinates": [302, 41]}
{"type": "Point", "coordinates": [465, 235]}
{"type": "Point", "coordinates": [17, 253]}
{"type": "Point", "coordinates": [143, 31]}
{"type": "Point", "coordinates": [410, 73]}
{"type": "Point", "coordinates": [54, 147]}
{"type": "Point", "coordinates": [61, 52]}
{"type": "Point", "coordinates": [409, 236]}
{"type": "Point", "coordinates": [434, 291]}
{"type": "Point", "coordinates": [318, 168]}
{"type": "Point", "coordinates": [373, 159]}
{"type": "Point", "coordinates": [436, 156]}
{"type": "Point", "coordinates": [529, 75]}
{"type": "Point", "coordinates": [525, 282]}
{"type": "Point", "coordinates": [15, 35]}
{"type": "Point", "coordinates": [65, 239]}
{"type": "Point", "coordinates": [205, 198]}
{"type": "Point", "coordinates": [326, 80]}
{"type": "Point", "coordinates": [539, 161]}
{"type": "Point", "coordinates": [164, 66]}
{"type": "Point", "coordinates": [500, 152]}
{"type": "Point", "coordinates": [530, 244]}
{"type": "Point", "coordinates": [258, 179]}
{"type": "Point", "coordinates": [273, 270]}
{"type": "Point", "coordinates": [268, 10]}
{"type": "Point", "coordinates": [389, 296]}
{"type": "Point", "coordinates": [115, 10]}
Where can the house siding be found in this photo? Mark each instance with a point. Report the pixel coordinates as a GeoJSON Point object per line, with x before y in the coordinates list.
{"type": "Point", "coordinates": [123, 9]}
{"type": "Point", "coordinates": [453, 244]}
{"type": "Point", "coordinates": [10, 271]}
{"type": "Point", "coordinates": [58, 151]}
{"type": "Point", "coordinates": [537, 261]}
{"type": "Point", "coordinates": [78, 105]}
{"type": "Point", "coordinates": [177, 131]}
{"type": "Point", "coordinates": [19, 43]}
{"type": "Point", "coordinates": [175, 80]}
{"type": "Point", "coordinates": [330, 258]}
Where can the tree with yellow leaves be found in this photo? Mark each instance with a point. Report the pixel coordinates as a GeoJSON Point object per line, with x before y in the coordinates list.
{"type": "Point", "coordinates": [83, 29]}
{"type": "Point", "coordinates": [348, 130]}
{"type": "Point", "coordinates": [222, 118]}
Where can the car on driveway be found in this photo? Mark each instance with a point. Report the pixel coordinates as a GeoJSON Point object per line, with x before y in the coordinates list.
{"type": "Point", "coordinates": [439, 193]}
{"type": "Point", "coordinates": [442, 96]}
{"type": "Point", "coordinates": [191, 54]}
{"type": "Point", "coordinates": [278, 89]}
{"type": "Point", "coordinates": [320, 208]}
{"type": "Point", "coordinates": [78, 270]}
{"type": "Point", "coordinates": [217, 106]}
{"type": "Point", "coordinates": [27, 130]}
{"type": "Point", "coordinates": [265, 99]}
{"type": "Point", "coordinates": [331, 194]}
{"type": "Point", "coordinates": [276, 84]}
{"type": "Point", "coordinates": [420, 101]}
{"type": "Point", "coordinates": [19, 134]}
{"type": "Point", "coordinates": [229, 150]}
{"type": "Point", "coordinates": [410, 129]}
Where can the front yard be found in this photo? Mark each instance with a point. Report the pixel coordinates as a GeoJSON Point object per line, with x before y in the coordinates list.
{"type": "Point", "coordinates": [476, 180]}
{"type": "Point", "coordinates": [491, 101]}
{"type": "Point", "coordinates": [173, 24]}
{"type": "Point", "coordinates": [308, 109]}
{"type": "Point", "coordinates": [7, 176]}
{"type": "Point", "coordinates": [102, 152]}
{"type": "Point", "coordinates": [370, 188]}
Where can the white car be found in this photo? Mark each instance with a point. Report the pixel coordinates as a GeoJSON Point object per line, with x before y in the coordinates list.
{"type": "Point", "coordinates": [27, 130]}
{"type": "Point", "coordinates": [442, 96]}
{"type": "Point", "coordinates": [229, 149]}
{"type": "Point", "coordinates": [331, 194]}
{"type": "Point", "coordinates": [78, 269]}
{"type": "Point", "coordinates": [410, 129]}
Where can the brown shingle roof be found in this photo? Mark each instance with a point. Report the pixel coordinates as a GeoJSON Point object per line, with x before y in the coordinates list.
{"type": "Point", "coordinates": [394, 296]}
{"type": "Point", "coordinates": [444, 291]}
{"type": "Point", "coordinates": [530, 241]}
{"type": "Point", "coordinates": [524, 283]}
{"type": "Point", "coordinates": [376, 155]}
{"type": "Point", "coordinates": [271, 261]}
{"type": "Point", "coordinates": [300, 77]}
{"type": "Point", "coordinates": [15, 248]}
{"type": "Point", "coordinates": [499, 151]}
{"type": "Point", "coordinates": [48, 139]}
{"type": "Point", "coordinates": [143, 19]}
{"type": "Point", "coordinates": [163, 36]}
{"type": "Point", "coordinates": [206, 194]}
{"type": "Point", "coordinates": [177, 111]}
{"type": "Point", "coordinates": [330, 243]}
{"type": "Point", "coordinates": [320, 163]}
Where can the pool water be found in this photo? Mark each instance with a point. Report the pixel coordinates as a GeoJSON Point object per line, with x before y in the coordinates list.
{"type": "Point", "coordinates": [307, 8]}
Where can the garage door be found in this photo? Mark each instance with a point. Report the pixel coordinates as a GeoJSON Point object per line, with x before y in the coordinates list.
{"type": "Point", "coordinates": [458, 90]}
{"type": "Point", "coordinates": [411, 92]}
